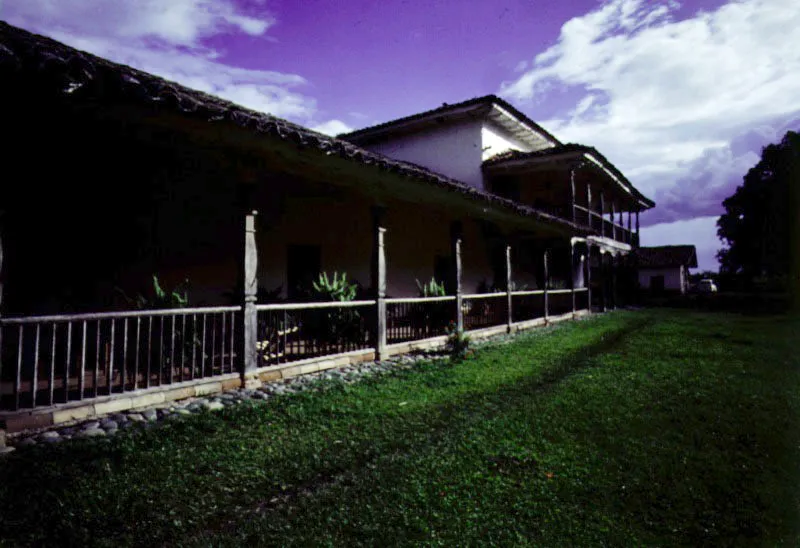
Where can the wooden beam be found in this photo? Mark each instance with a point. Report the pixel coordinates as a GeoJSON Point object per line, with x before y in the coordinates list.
{"type": "Point", "coordinates": [378, 282]}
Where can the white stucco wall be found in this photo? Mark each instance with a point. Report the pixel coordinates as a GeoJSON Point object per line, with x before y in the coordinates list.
{"type": "Point", "coordinates": [453, 150]}
{"type": "Point", "coordinates": [674, 279]}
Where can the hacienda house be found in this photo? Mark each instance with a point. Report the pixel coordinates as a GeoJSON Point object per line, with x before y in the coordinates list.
{"type": "Point", "coordinates": [665, 269]}
{"type": "Point", "coordinates": [112, 175]}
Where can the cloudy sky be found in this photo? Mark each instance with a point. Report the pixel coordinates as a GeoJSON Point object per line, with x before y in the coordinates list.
{"type": "Point", "coordinates": [681, 96]}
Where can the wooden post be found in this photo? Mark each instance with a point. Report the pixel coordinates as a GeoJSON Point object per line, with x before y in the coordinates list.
{"type": "Point", "coordinates": [589, 204]}
{"type": "Point", "coordinates": [508, 288]}
{"type": "Point", "coordinates": [602, 215]}
{"type": "Point", "coordinates": [614, 273]}
{"type": "Point", "coordinates": [588, 275]}
{"type": "Point", "coordinates": [613, 224]}
{"type": "Point", "coordinates": [1, 265]}
{"type": "Point", "coordinates": [604, 281]}
{"type": "Point", "coordinates": [250, 328]}
{"type": "Point", "coordinates": [572, 192]}
{"type": "Point", "coordinates": [637, 228]}
{"type": "Point", "coordinates": [456, 235]}
{"type": "Point", "coordinates": [378, 273]}
{"type": "Point", "coordinates": [630, 238]}
{"type": "Point", "coordinates": [545, 258]}
{"type": "Point", "coordinates": [572, 272]}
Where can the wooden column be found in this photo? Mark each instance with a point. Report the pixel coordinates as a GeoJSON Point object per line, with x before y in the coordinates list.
{"type": "Point", "coordinates": [589, 204]}
{"type": "Point", "coordinates": [509, 283]}
{"type": "Point", "coordinates": [1, 266]}
{"type": "Point", "coordinates": [588, 275]}
{"type": "Point", "coordinates": [572, 192]}
{"type": "Point", "coordinates": [637, 228]}
{"type": "Point", "coordinates": [602, 215]}
{"type": "Point", "coordinates": [630, 237]}
{"type": "Point", "coordinates": [572, 272]}
{"type": "Point", "coordinates": [613, 224]}
{"type": "Point", "coordinates": [546, 260]}
{"type": "Point", "coordinates": [614, 274]}
{"type": "Point", "coordinates": [378, 275]}
{"type": "Point", "coordinates": [456, 236]}
{"type": "Point", "coordinates": [604, 281]}
{"type": "Point", "coordinates": [250, 320]}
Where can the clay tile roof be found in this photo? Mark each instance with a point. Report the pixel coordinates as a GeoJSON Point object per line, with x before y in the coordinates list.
{"type": "Point", "coordinates": [667, 256]}
{"type": "Point", "coordinates": [575, 148]}
{"type": "Point", "coordinates": [34, 63]}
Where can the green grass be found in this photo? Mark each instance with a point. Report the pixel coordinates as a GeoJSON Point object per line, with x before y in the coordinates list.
{"type": "Point", "coordinates": [654, 428]}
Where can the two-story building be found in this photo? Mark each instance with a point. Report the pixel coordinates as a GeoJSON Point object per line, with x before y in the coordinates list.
{"type": "Point", "coordinates": [112, 175]}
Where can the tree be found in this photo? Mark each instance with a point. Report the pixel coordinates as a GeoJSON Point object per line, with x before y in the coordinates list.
{"type": "Point", "coordinates": [760, 216]}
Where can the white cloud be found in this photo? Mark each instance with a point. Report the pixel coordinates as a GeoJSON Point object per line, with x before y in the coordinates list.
{"type": "Point", "coordinates": [333, 128]}
{"type": "Point", "coordinates": [667, 101]}
{"type": "Point", "coordinates": [182, 22]}
{"type": "Point", "coordinates": [168, 38]}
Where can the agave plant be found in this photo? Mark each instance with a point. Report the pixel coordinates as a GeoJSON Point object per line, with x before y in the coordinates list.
{"type": "Point", "coordinates": [335, 288]}
{"type": "Point", "coordinates": [431, 289]}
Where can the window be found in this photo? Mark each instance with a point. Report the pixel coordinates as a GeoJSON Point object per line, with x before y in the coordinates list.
{"type": "Point", "coordinates": [657, 284]}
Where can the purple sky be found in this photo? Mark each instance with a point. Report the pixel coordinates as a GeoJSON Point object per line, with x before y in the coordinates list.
{"type": "Point", "coordinates": [680, 96]}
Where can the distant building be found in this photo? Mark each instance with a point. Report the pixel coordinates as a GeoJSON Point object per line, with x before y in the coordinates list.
{"type": "Point", "coordinates": [666, 268]}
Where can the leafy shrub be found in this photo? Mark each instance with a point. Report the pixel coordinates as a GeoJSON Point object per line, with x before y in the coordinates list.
{"type": "Point", "coordinates": [335, 288]}
{"type": "Point", "coordinates": [334, 325]}
{"type": "Point", "coordinates": [161, 299]}
{"type": "Point", "coordinates": [431, 289]}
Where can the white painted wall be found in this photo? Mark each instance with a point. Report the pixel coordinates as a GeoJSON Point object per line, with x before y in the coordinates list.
{"type": "Point", "coordinates": [674, 278]}
{"type": "Point", "coordinates": [453, 150]}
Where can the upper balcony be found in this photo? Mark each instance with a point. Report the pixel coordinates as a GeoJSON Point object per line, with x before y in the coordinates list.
{"type": "Point", "coordinates": [573, 182]}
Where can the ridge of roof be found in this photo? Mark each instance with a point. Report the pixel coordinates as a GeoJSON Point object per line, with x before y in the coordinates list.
{"type": "Point", "coordinates": [76, 75]}
{"type": "Point", "coordinates": [444, 109]}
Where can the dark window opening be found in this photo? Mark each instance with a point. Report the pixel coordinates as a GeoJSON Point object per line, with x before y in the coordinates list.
{"type": "Point", "coordinates": [303, 265]}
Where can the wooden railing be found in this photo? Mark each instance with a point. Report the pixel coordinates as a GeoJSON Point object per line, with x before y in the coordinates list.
{"type": "Point", "coordinates": [46, 360]}
{"type": "Point", "coordinates": [291, 332]}
{"type": "Point", "coordinates": [485, 310]}
{"type": "Point", "coordinates": [418, 318]}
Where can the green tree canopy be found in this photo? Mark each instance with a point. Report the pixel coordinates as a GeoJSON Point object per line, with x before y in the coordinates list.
{"type": "Point", "coordinates": [757, 224]}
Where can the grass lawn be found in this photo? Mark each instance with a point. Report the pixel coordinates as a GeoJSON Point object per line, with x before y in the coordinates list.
{"type": "Point", "coordinates": [651, 427]}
